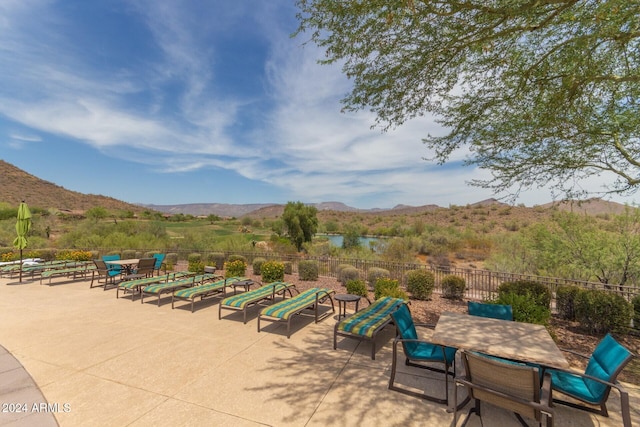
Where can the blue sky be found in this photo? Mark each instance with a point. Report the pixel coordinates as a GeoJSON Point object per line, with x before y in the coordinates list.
{"type": "Point", "coordinates": [173, 102]}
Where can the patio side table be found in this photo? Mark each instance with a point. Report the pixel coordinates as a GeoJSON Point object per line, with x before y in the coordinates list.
{"type": "Point", "coordinates": [343, 299]}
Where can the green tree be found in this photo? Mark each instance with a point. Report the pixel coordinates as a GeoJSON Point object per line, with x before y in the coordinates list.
{"type": "Point", "coordinates": [542, 93]}
{"type": "Point", "coordinates": [301, 222]}
{"type": "Point", "coordinates": [351, 236]}
{"type": "Point", "coordinates": [97, 213]}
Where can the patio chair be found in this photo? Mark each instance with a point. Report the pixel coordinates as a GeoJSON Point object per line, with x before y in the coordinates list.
{"type": "Point", "coordinates": [508, 385]}
{"type": "Point", "coordinates": [593, 387]}
{"type": "Point", "coordinates": [494, 311]}
{"type": "Point", "coordinates": [160, 263]}
{"type": "Point", "coordinates": [418, 352]}
{"type": "Point", "coordinates": [116, 268]}
{"type": "Point", "coordinates": [104, 272]}
{"type": "Point", "coordinates": [145, 268]}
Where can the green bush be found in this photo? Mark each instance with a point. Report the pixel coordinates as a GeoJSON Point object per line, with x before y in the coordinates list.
{"type": "Point", "coordinates": [599, 312]}
{"type": "Point", "coordinates": [375, 273]}
{"type": "Point", "coordinates": [349, 273]}
{"type": "Point", "coordinates": [272, 271]}
{"type": "Point", "coordinates": [171, 260]}
{"type": "Point", "coordinates": [453, 287]}
{"type": "Point", "coordinates": [237, 268]}
{"type": "Point", "coordinates": [420, 283]}
{"type": "Point", "coordinates": [216, 259]}
{"type": "Point", "coordinates": [389, 288]}
{"type": "Point", "coordinates": [339, 270]}
{"type": "Point", "coordinates": [308, 270]}
{"type": "Point", "coordinates": [635, 302]}
{"type": "Point", "coordinates": [257, 264]}
{"type": "Point", "coordinates": [525, 307]}
{"type": "Point", "coordinates": [195, 263]}
{"type": "Point", "coordinates": [238, 258]}
{"type": "Point", "coordinates": [128, 254]}
{"type": "Point", "coordinates": [540, 292]}
{"type": "Point", "coordinates": [565, 301]}
{"type": "Point", "coordinates": [357, 287]}
{"type": "Point", "coordinates": [288, 267]}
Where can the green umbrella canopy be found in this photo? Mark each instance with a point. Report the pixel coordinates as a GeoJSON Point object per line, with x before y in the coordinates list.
{"type": "Point", "coordinates": [23, 225]}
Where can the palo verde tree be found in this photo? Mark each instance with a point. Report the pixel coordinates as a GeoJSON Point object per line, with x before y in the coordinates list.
{"type": "Point", "coordinates": [301, 222]}
{"type": "Point", "coordinates": [541, 93]}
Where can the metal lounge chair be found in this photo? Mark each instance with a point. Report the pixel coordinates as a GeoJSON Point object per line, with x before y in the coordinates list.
{"type": "Point", "coordinates": [594, 385]}
{"type": "Point", "coordinates": [244, 300]}
{"type": "Point", "coordinates": [203, 291]}
{"type": "Point", "coordinates": [494, 311]}
{"type": "Point", "coordinates": [365, 324]}
{"type": "Point", "coordinates": [508, 385]}
{"type": "Point", "coordinates": [172, 286]}
{"type": "Point", "coordinates": [418, 352]}
{"type": "Point", "coordinates": [285, 310]}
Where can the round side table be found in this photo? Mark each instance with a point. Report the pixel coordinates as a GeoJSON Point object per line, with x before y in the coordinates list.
{"type": "Point", "coordinates": [343, 299]}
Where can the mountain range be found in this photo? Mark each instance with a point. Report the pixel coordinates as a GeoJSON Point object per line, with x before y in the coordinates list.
{"type": "Point", "coordinates": [17, 185]}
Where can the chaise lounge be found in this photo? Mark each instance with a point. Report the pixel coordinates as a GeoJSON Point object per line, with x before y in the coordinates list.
{"type": "Point", "coordinates": [203, 291]}
{"type": "Point", "coordinates": [365, 324]}
{"type": "Point", "coordinates": [172, 286]}
{"type": "Point", "coordinates": [286, 309]}
{"type": "Point", "coordinates": [241, 302]}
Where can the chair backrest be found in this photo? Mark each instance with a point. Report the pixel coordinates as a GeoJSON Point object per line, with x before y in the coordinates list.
{"type": "Point", "coordinates": [607, 361]}
{"type": "Point", "coordinates": [113, 269]}
{"type": "Point", "coordinates": [159, 259]}
{"type": "Point", "coordinates": [494, 311]}
{"type": "Point", "coordinates": [514, 380]}
{"type": "Point", "coordinates": [405, 327]}
{"type": "Point", "coordinates": [101, 267]}
{"type": "Point", "coordinates": [146, 266]}
{"type": "Point", "coordinates": [113, 257]}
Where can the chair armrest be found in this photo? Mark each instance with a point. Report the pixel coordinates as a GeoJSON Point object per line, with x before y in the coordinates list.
{"type": "Point", "coordinates": [575, 353]}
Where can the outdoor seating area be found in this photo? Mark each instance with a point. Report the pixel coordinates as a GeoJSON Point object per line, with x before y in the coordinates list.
{"type": "Point", "coordinates": [425, 376]}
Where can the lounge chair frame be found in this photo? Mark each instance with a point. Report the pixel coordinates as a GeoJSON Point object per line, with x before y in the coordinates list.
{"type": "Point", "coordinates": [169, 287]}
{"type": "Point", "coordinates": [320, 296]}
{"type": "Point", "coordinates": [373, 314]}
{"type": "Point", "coordinates": [203, 291]}
{"type": "Point", "coordinates": [257, 296]}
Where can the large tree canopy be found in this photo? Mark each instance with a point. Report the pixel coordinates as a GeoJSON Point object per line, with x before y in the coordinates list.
{"type": "Point", "coordinates": [542, 92]}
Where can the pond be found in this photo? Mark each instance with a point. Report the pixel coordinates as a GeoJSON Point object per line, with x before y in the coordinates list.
{"type": "Point", "coordinates": [337, 239]}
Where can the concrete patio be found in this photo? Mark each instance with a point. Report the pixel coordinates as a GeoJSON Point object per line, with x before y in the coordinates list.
{"type": "Point", "coordinates": [99, 360]}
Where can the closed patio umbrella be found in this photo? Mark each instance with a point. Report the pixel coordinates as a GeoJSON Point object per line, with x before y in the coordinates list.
{"type": "Point", "coordinates": [23, 225]}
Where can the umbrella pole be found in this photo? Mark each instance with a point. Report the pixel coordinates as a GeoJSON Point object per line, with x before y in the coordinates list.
{"type": "Point", "coordinates": [20, 266]}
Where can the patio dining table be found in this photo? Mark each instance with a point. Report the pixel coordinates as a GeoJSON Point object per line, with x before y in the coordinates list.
{"type": "Point", "coordinates": [519, 341]}
{"type": "Point", "coordinates": [126, 264]}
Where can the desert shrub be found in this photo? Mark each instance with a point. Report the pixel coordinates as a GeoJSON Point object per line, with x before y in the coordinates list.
{"type": "Point", "coordinates": [375, 273]}
{"type": "Point", "coordinates": [565, 301]}
{"type": "Point", "coordinates": [257, 264]}
{"type": "Point", "coordinates": [216, 259]}
{"type": "Point", "coordinates": [140, 254]}
{"type": "Point", "coordinates": [308, 270]}
{"type": "Point", "coordinates": [195, 263]}
{"type": "Point", "coordinates": [525, 307]}
{"type": "Point", "coordinates": [541, 293]}
{"type": "Point", "coordinates": [272, 271]}
{"type": "Point", "coordinates": [339, 272]}
{"type": "Point", "coordinates": [237, 268]}
{"type": "Point", "coordinates": [288, 267]}
{"type": "Point", "coordinates": [600, 312]}
{"type": "Point", "coordinates": [74, 255]}
{"type": "Point", "coordinates": [237, 258]}
{"type": "Point", "coordinates": [171, 259]}
{"type": "Point", "coordinates": [349, 273]}
{"type": "Point", "coordinates": [389, 288]}
{"type": "Point", "coordinates": [357, 287]}
{"type": "Point", "coordinates": [420, 283]}
{"type": "Point", "coordinates": [128, 254]}
{"type": "Point", "coordinates": [453, 287]}
{"type": "Point", "coordinates": [50, 254]}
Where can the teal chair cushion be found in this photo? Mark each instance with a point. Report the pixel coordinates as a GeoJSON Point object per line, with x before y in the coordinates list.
{"type": "Point", "coordinates": [494, 311]}
{"type": "Point", "coordinates": [418, 350]}
{"type": "Point", "coordinates": [159, 260]}
{"type": "Point", "coordinates": [114, 270]}
{"type": "Point", "coordinates": [604, 364]}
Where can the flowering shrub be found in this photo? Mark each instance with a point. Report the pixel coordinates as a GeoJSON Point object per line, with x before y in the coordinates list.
{"type": "Point", "coordinates": [272, 271]}
{"type": "Point", "coordinates": [74, 255]}
{"type": "Point", "coordinates": [235, 268]}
